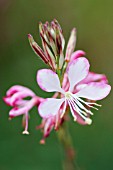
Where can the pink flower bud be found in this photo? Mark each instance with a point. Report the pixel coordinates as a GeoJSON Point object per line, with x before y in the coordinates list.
{"type": "Point", "coordinates": [71, 45]}
{"type": "Point", "coordinates": [37, 49]}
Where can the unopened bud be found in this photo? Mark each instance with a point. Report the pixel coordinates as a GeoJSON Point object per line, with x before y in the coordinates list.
{"type": "Point", "coordinates": [37, 49]}
{"type": "Point", "coordinates": [61, 60]}
{"type": "Point", "coordinates": [41, 28]}
{"type": "Point", "coordinates": [71, 45]}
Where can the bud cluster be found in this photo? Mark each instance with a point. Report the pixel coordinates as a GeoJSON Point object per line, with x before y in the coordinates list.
{"type": "Point", "coordinates": [53, 44]}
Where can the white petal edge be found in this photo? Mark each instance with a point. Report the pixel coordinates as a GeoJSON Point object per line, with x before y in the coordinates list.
{"type": "Point", "coordinates": [77, 70]}
{"type": "Point", "coordinates": [94, 91]}
{"type": "Point", "coordinates": [49, 81]}
{"type": "Point", "coordinates": [50, 107]}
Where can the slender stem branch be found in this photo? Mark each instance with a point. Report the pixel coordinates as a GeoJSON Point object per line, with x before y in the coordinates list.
{"type": "Point", "coordinates": [69, 153]}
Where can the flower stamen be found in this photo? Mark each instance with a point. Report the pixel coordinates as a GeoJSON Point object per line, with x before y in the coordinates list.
{"type": "Point", "coordinates": [76, 104]}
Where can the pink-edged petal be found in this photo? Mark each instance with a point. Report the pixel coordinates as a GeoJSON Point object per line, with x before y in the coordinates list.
{"type": "Point", "coordinates": [79, 87]}
{"type": "Point", "coordinates": [79, 119]}
{"type": "Point", "coordinates": [77, 54]}
{"type": "Point", "coordinates": [77, 70]}
{"type": "Point", "coordinates": [48, 126]}
{"type": "Point", "coordinates": [94, 77]}
{"type": "Point", "coordinates": [16, 97]}
{"type": "Point", "coordinates": [7, 100]}
{"type": "Point", "coordinates": [50, 107]}
{"type": "Point", "coordinates": [48, 81]}
{"type": "Point", "coordinates": [17, 111]}
{"type": "Point", "coordinates": [18, 88]}
{"type": "Point", "coordinates": [23, 108]}
{"type": "Point", "coordinates": [94, 91]}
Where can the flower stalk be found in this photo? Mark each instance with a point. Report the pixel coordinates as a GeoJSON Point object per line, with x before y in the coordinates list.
{"type": "Point", "coordinates": [68, 149]}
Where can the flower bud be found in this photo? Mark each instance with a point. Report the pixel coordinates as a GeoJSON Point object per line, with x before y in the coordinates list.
{"type": "Point", "coordinates": [71, 45]}
{"type": "Point", "coordinates": [37, 49]}
{"type": "Point", "coordinates": [53, 44]}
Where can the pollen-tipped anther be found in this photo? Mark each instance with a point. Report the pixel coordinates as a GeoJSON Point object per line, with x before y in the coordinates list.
{"type": "Point", "coordinates": [25, 132]}
{"type": "Point", "coordinates": [88, 121]}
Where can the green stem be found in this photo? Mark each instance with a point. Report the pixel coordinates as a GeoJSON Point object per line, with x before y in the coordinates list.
{"type": "Point", "coordinates": [58, 73]}
{"type": "Point", "coordinates": [64, 67]}
{"type": "Point", "coordinates": [69, 153]}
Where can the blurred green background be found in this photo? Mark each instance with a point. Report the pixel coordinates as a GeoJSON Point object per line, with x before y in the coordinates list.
{"type": "Point", "coordinates": [18, 65]}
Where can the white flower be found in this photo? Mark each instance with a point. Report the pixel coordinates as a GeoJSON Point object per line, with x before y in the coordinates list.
{"type": "Point", "coordinates": [77, 71]}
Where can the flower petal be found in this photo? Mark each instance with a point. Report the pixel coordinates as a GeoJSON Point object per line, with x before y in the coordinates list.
{"type": "Point", "coordinates": [77, 71]}
{"type": "Point", "coordinates": [13, 100]}
{"type": "Point", "coordinates": [49, 81]}
{"type": "Point", "coordinates": [50, 107]}
{"type": "Point", "coordinates": [79, 119]}
{"type": "Point", "coordinates": [94, 91]}
{"type": "Point", "coordinates": [48, 126]}
{"type": "Point", "coordinates": [17, 111]}
{"type": "Point", "coordinates": [77, 54]}
{"type": "Point", "coordinates": [94, 77]}
{"type": "Point", "coordinates": [17, 88]}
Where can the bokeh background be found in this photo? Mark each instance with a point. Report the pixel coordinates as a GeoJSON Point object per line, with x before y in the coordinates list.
{"type": "Point", "coordinates": [18, 65]}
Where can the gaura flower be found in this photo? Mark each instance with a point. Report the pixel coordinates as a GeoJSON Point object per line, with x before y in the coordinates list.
{"type": "Point", "coordinates": [77, 71]}
{"type": "Point", "coordinates": [16, 97]}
